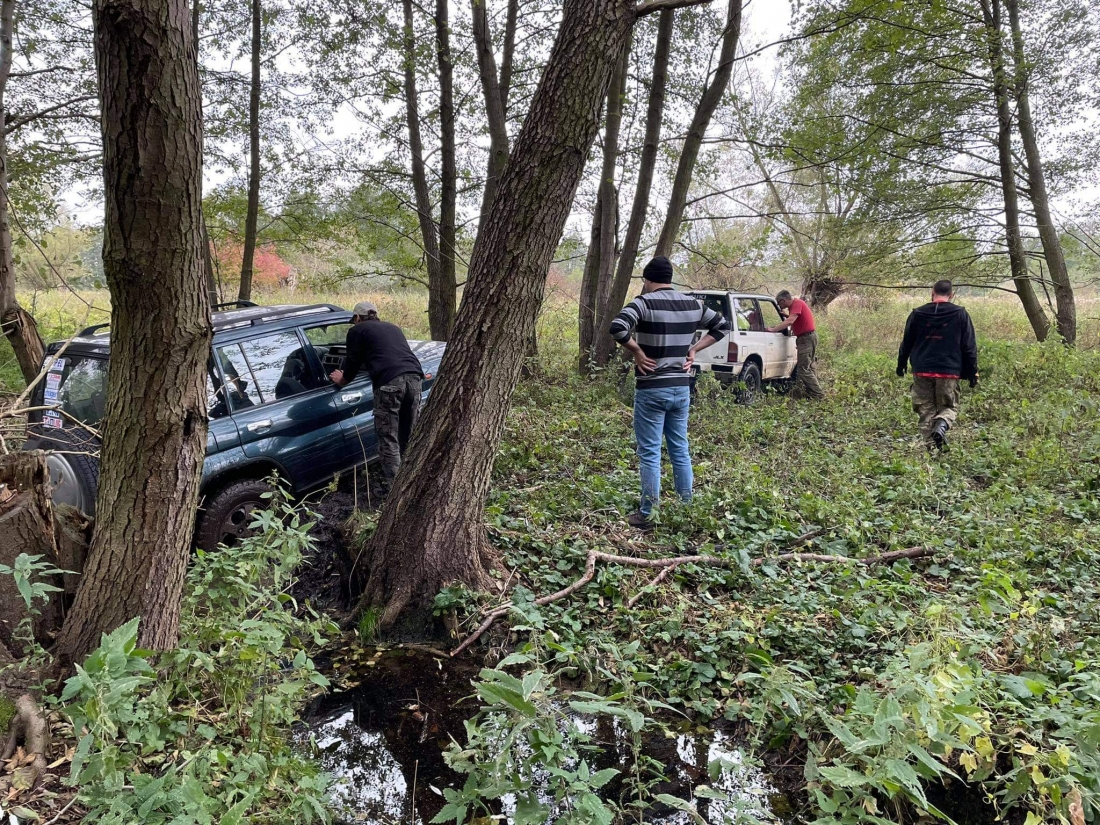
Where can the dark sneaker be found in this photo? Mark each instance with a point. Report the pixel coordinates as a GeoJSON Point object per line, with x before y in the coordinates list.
{"type": "Point", "coordinates": [939, 434]}
{"type": "Point", "coordinates": [639, 521]}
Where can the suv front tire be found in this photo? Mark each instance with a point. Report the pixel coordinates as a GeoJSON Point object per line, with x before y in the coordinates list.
{"type": "Point", "coordinates": [225, 517]}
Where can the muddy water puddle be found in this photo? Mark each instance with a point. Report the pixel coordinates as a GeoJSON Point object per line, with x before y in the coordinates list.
{"type": "Point", "coordinates": [383, 742]}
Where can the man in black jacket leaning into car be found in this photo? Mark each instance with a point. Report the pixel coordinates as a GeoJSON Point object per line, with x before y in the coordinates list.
{"type": "Point", "coordinates": [939, 342]}
{"type": "Point", "coordinates": [396, 375]}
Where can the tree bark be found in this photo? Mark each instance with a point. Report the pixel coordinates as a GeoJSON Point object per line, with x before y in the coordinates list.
{"type": "Point", "coordinates": [421, 193]}
{"type": "Point", "coordinates": [708, 103]}
{"type": "Point", "coordinates": [599, 267]}
{"type": "Point", "coordinates": [494, 94]}
{"type": "Point", "coordinates": [252, 214]}
{"type": "Point", "coordinates": [605, 344]}
{"type": "Point", "coordinates": [441, 292]}
{"type": "Point", "coordinates": [431, 531]}
{"type": "Point", "coordinates": [154, 438]}
{"type": "Point", "coordinates": [18, 325]}
{"type": "Point", "coordinates": [1066, 314]}
{"type": "Point", "coordinates": [207, 257]}
{"type": "Point", "coordinates": [991, 13]}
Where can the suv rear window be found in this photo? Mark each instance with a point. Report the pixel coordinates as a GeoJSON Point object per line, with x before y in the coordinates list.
{"type": "Point", "coordinates": [77, 387]}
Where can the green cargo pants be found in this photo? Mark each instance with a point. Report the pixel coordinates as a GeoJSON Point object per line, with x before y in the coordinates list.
{"type": "Point", "coordinates": [935, 398]}
{"type": "Point", "coordinates": [806, 384]}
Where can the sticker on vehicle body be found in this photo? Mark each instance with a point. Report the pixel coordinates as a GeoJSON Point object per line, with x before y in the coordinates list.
{"type": "Point", "coordinates": [52, 420]}
{"type": "Point", "coordinates": [53, 381]}
{"type": "Point", "coordinates": [51, 394]}
{"type": "Point", "coordinates": [58, 365]}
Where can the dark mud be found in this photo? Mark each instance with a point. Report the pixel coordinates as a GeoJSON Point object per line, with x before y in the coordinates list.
{"type": "Point", "coordinates": [325, 578]}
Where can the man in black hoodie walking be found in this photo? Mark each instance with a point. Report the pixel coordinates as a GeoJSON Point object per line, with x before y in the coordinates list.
{"type": "Point", "coordinates": [939, 342]}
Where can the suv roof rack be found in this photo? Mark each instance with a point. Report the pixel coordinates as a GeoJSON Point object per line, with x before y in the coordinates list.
{"type": "Point", "coordinates": [244, 304]}
{"type": "Point", "coordinates": [294, 311]}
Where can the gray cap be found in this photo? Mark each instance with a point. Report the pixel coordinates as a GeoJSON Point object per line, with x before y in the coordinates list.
{"type": "Point", "coordinates": [363, 308]}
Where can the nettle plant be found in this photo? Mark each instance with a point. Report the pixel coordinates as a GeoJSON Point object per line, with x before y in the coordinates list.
{"type": "Point", "coordinates": [200, 734]}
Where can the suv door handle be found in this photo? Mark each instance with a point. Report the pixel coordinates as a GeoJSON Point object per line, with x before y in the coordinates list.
{"type": "Point", "coordinates": [352, 397]}
{"type": "Point", "coordinates": [260, 426]}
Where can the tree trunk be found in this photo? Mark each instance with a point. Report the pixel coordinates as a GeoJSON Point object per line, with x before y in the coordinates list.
{"type": "Point", "coordinates": [600, 267]}
{"type": "Point", "coordinates": [600, 262]}
{"type": "Point", "coordinates": [154, 438]}
{"type": "Point", "coordinates": [18, 325]}
{"type": "Point", "coordinates": [494, 104]}
{"type": "Point", "coordinates": [605, 344]}
{"type": "Point", "coordinates": [428, 231]}
{"type": "Point", "coordinates": [431, 532]}
{"type": "Point", "coordinates": [252, 214]}
{"type": "Point", "coordinates": [495, 91]}
{"type": "Point", "coordinates": [1066, 315]}
{"type": "Point", "coordinates": [441, 292]}
{"type": "Point", "coordinates": [991, 13]}
{"type": "Point", "coordinates": [207, 257]}
{"type": "Point", "coordinates": [689, 155]}
{"type": "Point", "coordinates": [820, 289]}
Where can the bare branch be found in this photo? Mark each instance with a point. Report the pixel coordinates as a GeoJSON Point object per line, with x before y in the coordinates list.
{"type": "Point", "coordinates": [654, 6]}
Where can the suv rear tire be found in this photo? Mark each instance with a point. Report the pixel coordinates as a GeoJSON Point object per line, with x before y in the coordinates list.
{"type": "Point", "coordinates": [74, 471]}
{"type": "Point", "coordinates": [749, 381]}
{"type": "Point", "coordinates": [225, 517]}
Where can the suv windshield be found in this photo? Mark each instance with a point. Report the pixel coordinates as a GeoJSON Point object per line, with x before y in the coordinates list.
{"type": "Point", "coordinates": [77, 386]}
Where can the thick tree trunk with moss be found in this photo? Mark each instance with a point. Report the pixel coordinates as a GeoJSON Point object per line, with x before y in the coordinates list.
{"type": "Point", "coordinates": [991, 13]}
{"type": "Point", "coordinates": [252, 213]}
{"type": "Point", "coordinates": [628, 256]}
{"type": "Point", "coordinates": [1066, 313]}
{"type": "Point", "coordinates": [154, 438]}
{"type": "Point", "coordinates": [431, 532]}
{"type": "Point", "coordinates": [18, 325]}
{"type": "Point", "coordinates": [708, 103]}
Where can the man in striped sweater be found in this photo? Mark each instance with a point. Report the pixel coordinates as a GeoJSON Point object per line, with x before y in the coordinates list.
{"type": "Point", "coordinates": [657, 328]}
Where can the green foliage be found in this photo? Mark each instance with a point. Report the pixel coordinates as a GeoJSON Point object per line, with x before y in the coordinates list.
{"type": "Point", "coordinates": [200, 735]}
{"type": "Point", "coordinates": [979, 664]}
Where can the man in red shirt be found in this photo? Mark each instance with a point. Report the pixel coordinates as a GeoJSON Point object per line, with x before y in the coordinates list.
{"type": "Point", "coordinates": [801, 323]}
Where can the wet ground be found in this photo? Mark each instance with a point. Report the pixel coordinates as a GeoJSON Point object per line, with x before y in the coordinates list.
{"type": "Point", "coordinates": [383, 742]}
{"type": "Point", "coordinates": [382, 738]}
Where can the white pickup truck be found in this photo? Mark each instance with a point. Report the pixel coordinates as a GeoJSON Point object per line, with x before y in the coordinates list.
{"type": "Point", "coordinates": [748, 357]}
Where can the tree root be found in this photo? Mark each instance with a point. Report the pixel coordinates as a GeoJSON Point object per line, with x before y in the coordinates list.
{"type": "Point", "coordinates": [29, 728]}
{"type": "Point", "coordinates": [668, 565]}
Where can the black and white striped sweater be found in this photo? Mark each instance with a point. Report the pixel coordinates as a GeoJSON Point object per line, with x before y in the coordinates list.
{"type": "Point", "coordinates": [664, 324]}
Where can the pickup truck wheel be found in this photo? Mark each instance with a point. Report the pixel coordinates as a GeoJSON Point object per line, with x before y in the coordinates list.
{"type": "Point", "coordinates": [748, 386]}
{"type": "Point", "coordinates": [226, 516]}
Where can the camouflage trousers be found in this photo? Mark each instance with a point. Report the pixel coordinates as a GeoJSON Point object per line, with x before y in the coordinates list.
{"type": "Point", "coordinates": [396, 409]}
{"type": "Point", "coordinates": [935, 398]}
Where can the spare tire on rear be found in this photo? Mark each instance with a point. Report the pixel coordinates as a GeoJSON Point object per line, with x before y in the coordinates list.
{"type": "Point", "coordinates": [72, 456]}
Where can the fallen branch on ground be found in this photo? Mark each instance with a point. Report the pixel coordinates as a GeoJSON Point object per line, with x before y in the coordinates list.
{"type": "Point", "coordinates": [669, 564]}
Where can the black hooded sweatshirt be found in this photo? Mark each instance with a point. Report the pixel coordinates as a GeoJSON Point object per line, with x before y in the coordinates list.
{"type": "Point", "coordinates": [939, 340]}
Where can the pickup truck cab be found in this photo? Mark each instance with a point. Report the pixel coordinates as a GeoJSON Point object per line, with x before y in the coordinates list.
{"type": "Point", "coordinates": [749, 356]}
{"type": "Point", "coordinates": [272, 408]}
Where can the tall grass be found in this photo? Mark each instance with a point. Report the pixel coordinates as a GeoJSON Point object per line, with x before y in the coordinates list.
{"type": "Point", "coordinates": [870, 322]}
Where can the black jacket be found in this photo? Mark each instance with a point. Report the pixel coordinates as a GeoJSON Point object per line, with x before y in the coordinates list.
{"type": "Point", "coordinates": [939, 338]}
{"type": "Point", "coordinates": [380, 348]}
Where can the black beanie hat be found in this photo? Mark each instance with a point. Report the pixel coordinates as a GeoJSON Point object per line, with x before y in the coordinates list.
{"type": "Point", "coordinates": [658, 270]}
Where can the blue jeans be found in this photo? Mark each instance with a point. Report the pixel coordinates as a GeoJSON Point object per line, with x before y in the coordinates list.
{"type": "Point", "coordinates": [656, 412]}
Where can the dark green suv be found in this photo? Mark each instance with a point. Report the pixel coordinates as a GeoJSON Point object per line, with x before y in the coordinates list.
{"type": "Point", "coordinates": [272, 409]}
